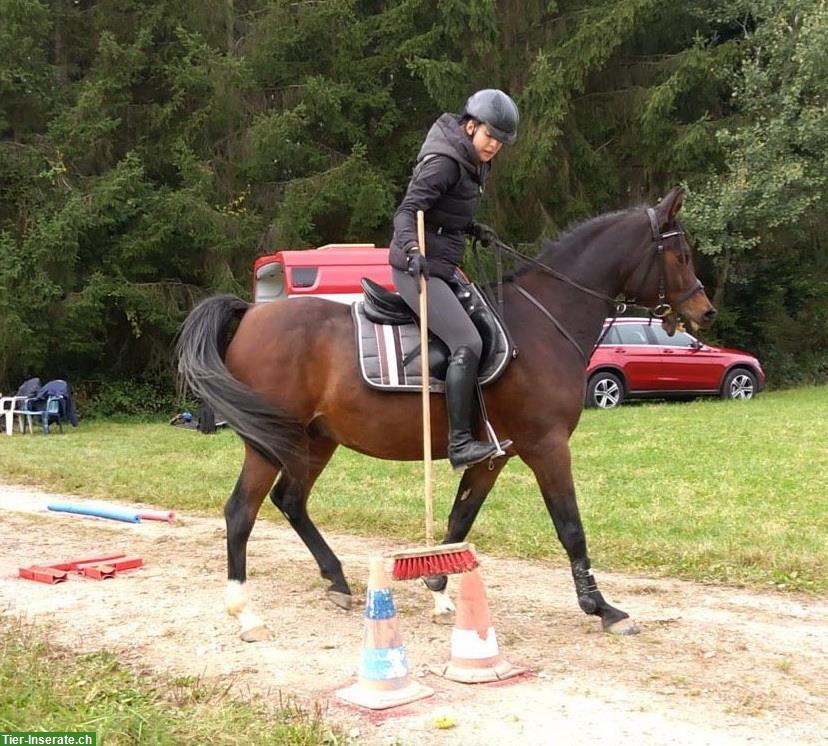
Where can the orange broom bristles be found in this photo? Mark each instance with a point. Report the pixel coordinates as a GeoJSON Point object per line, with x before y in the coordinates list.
{"type": "Point", "coordinates": [446, 559]}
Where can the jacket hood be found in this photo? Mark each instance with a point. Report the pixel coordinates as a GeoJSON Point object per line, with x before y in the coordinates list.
{"type": "Point", "coordinates": [446, 137]}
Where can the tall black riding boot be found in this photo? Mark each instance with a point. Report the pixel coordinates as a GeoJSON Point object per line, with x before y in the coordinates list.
{"type": "Point", "coordinates": [461, 376]}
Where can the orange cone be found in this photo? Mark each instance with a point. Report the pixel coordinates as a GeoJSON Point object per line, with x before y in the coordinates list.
{"type": "Point", "coordinates": [383, 672]}
{"type": "Point", "coordinates": [475, 657]}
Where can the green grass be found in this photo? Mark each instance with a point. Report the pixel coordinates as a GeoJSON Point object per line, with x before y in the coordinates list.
{"type": "Point", "coordinates": [45, 689]}
{"type": "Point", "coordinates": [732, 492]}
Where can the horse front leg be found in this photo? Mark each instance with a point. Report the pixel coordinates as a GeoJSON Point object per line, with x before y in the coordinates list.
{"type": "Point", "coordinates": [240, 513]}
{"type": "Point", "coordinates": [474, 487]}
{"type": "Point", "coordinates": [550, 461]}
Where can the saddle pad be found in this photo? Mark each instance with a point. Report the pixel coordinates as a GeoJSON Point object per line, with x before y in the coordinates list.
{"type": "Point", "coordinates": [383, 349]}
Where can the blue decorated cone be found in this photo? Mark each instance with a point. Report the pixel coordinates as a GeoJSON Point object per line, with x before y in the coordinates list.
{"type": "Point", "coordinates": [383, 672]}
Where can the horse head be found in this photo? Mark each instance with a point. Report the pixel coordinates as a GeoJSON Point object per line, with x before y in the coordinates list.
{"type": "Point", "coordinates": [665, 279]}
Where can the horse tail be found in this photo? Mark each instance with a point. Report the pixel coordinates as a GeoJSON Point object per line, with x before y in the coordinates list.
{"type": "Point", "coordinates": [202, 344]}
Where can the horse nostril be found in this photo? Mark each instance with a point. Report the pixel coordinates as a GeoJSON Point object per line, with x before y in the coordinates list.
{"type": "Point", "coordinates": [710, 314]}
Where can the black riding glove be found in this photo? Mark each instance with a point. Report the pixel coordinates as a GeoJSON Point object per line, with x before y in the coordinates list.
{"type": "Point", "coordinates": [417, 264]}
{"type": "Point", "coordinates": [483, 233]}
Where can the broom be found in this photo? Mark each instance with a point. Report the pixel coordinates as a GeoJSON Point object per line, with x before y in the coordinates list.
{"type": "Point", "coordinates": [445, 559]}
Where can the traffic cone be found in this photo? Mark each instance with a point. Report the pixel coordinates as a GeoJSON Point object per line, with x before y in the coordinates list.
{"type": "Point", "coordinates": [383, 672]}
{"type": "Point", "coordinates": [475, 657]}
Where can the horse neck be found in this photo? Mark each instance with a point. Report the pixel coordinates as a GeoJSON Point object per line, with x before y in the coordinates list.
{"type": "Point", "coordinates": [592, 256]}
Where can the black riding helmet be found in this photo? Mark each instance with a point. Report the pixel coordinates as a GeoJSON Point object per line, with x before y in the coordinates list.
{"type": "Point", "coordinates": [497, 111]}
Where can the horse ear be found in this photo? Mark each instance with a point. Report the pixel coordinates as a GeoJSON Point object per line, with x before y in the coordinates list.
{"type": "Point", "coordinates": [669, 207]}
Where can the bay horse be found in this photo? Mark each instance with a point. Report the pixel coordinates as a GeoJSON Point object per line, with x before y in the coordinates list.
{"type": "Point", "coordinates": [285, 379]}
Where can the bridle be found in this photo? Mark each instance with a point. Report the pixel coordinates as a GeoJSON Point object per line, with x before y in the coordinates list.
{"type": "Point", "coordinates": [656, 259]}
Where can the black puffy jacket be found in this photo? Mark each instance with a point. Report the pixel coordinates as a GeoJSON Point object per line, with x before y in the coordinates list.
{"type": "Point", "coordinates": [447, 184]}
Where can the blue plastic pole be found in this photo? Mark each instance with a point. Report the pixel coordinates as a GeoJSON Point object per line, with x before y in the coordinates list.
{"type": "Point", "coordinates": [113, 513]}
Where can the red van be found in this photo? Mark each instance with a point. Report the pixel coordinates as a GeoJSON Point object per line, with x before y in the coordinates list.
{"type": "Point", "coordinates": [332, 271]}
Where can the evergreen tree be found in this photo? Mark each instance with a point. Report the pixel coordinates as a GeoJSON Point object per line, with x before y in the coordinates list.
{"type": "Point", "coordinates": [149, 151]}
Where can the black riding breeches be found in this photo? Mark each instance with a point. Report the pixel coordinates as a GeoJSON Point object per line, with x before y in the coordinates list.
{"type": "Point", "coordinates": [446, 316]}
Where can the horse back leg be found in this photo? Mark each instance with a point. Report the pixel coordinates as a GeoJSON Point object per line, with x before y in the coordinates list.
{"type": "Point", "coordinates": [290, 496]}
{"type": "Point", "coordinates": [550, 461]}
{"type": "Point", "coordinates": [240, 513]}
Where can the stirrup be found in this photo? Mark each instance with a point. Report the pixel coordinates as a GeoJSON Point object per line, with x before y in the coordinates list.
{"type": "Point", "coordinates": [501, 446]}
{"type": "Point", "coordinates": [498, 452]}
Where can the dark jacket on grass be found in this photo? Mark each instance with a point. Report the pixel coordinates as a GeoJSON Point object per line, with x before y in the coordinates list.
{"type": "Point", "coordinates": [61, 388]}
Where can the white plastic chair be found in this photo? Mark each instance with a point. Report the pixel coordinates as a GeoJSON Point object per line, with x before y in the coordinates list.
{"type": "Point", "coordinates": [9, 406]}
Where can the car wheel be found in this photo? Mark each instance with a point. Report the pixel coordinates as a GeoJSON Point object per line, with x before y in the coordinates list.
{"type": "Point", "coordinates": [739, 384]}
{"type": "Point", "coordinates": [605, 391]}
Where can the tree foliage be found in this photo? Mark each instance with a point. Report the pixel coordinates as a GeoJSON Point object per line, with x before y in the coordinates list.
{"type": "Point", "coordinates": [761, 216]}
{"type": "Point", "coordinates": [149, 151]}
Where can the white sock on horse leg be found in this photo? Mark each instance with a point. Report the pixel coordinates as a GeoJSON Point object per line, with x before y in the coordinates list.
{"type": "Point", "coordinates": [442, 604]}
{"type": "Point", "coordinates": [237, 602]}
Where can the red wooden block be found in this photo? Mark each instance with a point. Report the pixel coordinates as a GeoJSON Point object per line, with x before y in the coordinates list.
{"type": "Point", "coordinates": [42, 574]}
{"type": "Point", "coordinates": [97, 572]}
{"type": "Point", "coordinates": [76, 564]}
{"type": "Point", "coordinates": [102, 571]}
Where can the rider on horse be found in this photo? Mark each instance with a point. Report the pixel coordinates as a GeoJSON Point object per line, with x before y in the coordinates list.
{"type": "Point", "coordinates": [451, 170]}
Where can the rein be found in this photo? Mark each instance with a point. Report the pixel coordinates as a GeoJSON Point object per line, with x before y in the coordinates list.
{"type": "Point", "coordinates": [499, 247]}
{"type": "Point", "coordinates": [535, 302]}
{"type": "Point", "coordinates": [660, 310]}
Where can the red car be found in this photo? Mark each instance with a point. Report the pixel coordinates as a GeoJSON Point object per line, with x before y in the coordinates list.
{"type": "Point", "coordinates": [637, 359]}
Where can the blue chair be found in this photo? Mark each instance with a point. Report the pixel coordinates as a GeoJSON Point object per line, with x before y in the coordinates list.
{"type": "Point", "coordinates": [53, 411]}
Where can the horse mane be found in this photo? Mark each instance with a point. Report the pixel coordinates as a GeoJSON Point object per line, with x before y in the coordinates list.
{"type": "Point", "coordinates": [568, 240]}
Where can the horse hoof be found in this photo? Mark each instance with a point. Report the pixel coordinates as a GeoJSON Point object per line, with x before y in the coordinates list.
{"type": "Point", "coordinates": [623, 627]}
{"type": "Point", "coordinates": [443, 611]}
{"type": "Point", "coordinates": [342, 600]}
{"type": "Point", "coordinates": [255, 634]}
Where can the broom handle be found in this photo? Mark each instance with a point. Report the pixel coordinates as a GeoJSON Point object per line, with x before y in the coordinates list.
{"type": "Point", "coordinates": [424, 371]}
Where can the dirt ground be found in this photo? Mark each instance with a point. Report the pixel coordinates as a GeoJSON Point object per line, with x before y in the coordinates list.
{"type": "Point", "coordinates": [712, 665]}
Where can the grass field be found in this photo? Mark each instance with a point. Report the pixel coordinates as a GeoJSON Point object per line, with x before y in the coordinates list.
{"type": "Point", "coordinates": [45, 689]}
{"type": "Point", "coordinates": [733, 492]}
